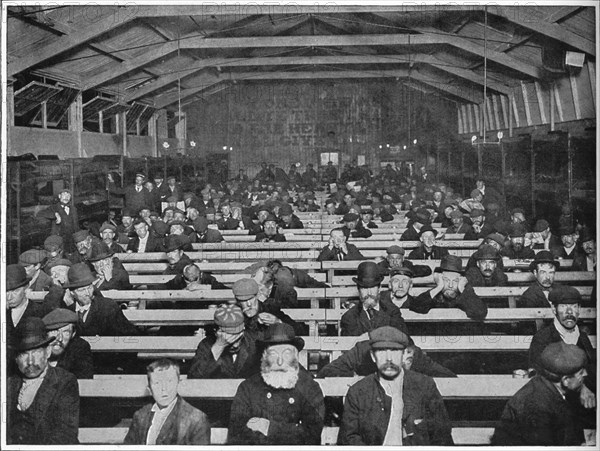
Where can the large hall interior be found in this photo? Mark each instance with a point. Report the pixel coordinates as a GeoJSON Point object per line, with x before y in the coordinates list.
{"type": "Point", "coordinates": [420, 170]}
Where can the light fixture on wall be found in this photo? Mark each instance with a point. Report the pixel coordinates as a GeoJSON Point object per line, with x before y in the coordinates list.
{"type": "Point", "coordinates": [475, 141]}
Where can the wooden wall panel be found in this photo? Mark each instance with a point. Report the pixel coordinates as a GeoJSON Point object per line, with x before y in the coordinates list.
{"type": "Point", "coordinates": [563, 85]}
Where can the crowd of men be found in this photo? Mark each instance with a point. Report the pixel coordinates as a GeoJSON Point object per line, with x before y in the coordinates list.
{"type": "Point", "coordinates": [252, 338]}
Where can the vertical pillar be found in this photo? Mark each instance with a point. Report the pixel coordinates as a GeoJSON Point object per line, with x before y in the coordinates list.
{"type": "Point", "coordinates": [152, 132]}
{"type": "Point", "coordinates": [100, 122]}
{"type": "Point", "coordinates": [10, 102]}
{"type": "Point", "coordinates": [75, 121]}
{"type": "Point", "coordinates": [180, 131]}
{"type": "Point", "coordinates": [570, 166]}
{"type": "Point", "coordinates": [44, 115]}
{"type": "Point", "coordinates": [532, 175]}
{"type": "Point", "coordinates": [122, 120]}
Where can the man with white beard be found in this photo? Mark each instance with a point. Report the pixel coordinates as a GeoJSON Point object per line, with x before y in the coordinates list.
{"type": "Point", "coordinates": [281, 405]}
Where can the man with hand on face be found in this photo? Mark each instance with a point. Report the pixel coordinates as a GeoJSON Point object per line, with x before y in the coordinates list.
{"type": "Point", "coordinates": [83, 242]}
{"type": "Point", "coordinates": [338, 249]}
{"type": "Point", "coordinates": [372, 311]}
{"type": "Point", "coordinates": [354, 228]}
{"type": "Point", "coordinates": [394, 406]}
{"type": "Point", "coordinates": [42, 402]}
{"type": "Point", "coordinates": [281, 405]}
{"type": "Point", "coordinates": [170, 420]}
{"type": "Point", "coordinates": [270, 233]}
{"type": "Point", "coordinates": [480, 228]}
{"type": "Point", "coordinates": [486, 273]}
{"type": "Point", "coordinates": [539, 414]}
{"type": "Point", "coordinates": [111, 273]}
{"type": "Point", "coordinates": [69, 351]}
{"type": "Point", "coordinates": [452, 290]}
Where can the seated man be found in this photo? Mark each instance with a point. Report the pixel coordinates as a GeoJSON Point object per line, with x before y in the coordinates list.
{"type": "Point", "coordinates": [568, 249]}
{"type": "Point", "coordinates": [486, 273]}
{"type": "Point", "coordinates": [516, 249]}
{"type": "Point", "coordinates": [206, 234]}
{"type": "Point", "coordinates": [372, 311]}
{"type": "Point", "coordinates": [145, 239]}
{"type": "Point", "coordinates": [228, 354]}
{"type": "Point", "coordinates": [269, 233]}
{"type": "Point", "coordinates": [170, 420]}
{"type": "Point", "coordinates": [287, 218]}
{"type": "Point", "coordinates": [479, 228]}
{"type": "Point", "coordinates": [358, 362]}
{"type": "Point", "coordinates": [177, 260]}
{"type": "Point", "coordinates": [83, 242]}
{"type": "Point", "coordinates": [281, 405]}
{"type": "Point", "coordinates": [394, 406]}
{"type": "Point", "coordinates": [543, 267]}
{"type": "Point", "coordinates": [338, 249]}
{"type": "Point", "coordinates": [42, 404]}
{"type": "Point", "coordinates": [541, 237]}
{"type": "Point", "coordinates": [111, 273]}
{"type": "Point", "coordinates": [197, 280]}
{"type": "Point", "coordinates": [366, 219]}
{"type": "Point", "coordinates": [69, 351]}
{"type": "Point", "coordinates": [413, 231]}
{"type": "Point", "coordinates": [399, 284]}
{"type": "Point", "coordinates": [394, 260]}
{"type": "Point", "coordinates": [452, 290]}
{"type": "Point", "coordinates": [33, 260]}
{"type": "Point", "coordinates": [538, 414]}
{"type": "Point", "coordinates": [107, 233]}
{"type": "Point", "coordinates": [354, 228]}
{"type": "Point", "coordinates": [566, 306]}
{"type": "Point", "coordinates": [586, 260]}
{"type": "Point", "coordinates": [53, 245]}
{"type": "Point", "coordinates": [458, 224]}
{"type": "Point", "coordinates": [284, 275]}
{"type": "Point", "coordinates": [428, 250]}
{"type": "Point", "coordinates": [178, 228]}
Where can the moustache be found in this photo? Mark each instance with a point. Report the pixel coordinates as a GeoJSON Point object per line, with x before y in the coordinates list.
{"type": "Point", "coordinates": [32, 369]}
{"type": "Point", "coordinates": [571, 318]}
{"type": "Point", "coordinates": [389, 366]}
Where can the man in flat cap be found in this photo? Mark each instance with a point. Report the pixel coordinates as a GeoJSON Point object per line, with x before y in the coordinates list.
{"type": "Point", "coordinates": [111, 273]}
{"type": "Point", "coordinates": [371, 311]}
{"type": "Point", "coordinates": [69, 351]}
{"type": "Point", "coordinates": [64, 218]}
{"type": "Point", "coordinates": [543, 267]}
{"type": "Point", "coordinates": [83, 242]}
{"type": "Point", "coordinates": [270, 232]}
{"type": "Point", "coordinates": [338, 249]}
{"type": "Point", "coordinates": [42, 401]}
{"type": "Point", "coordinates": [108, 232]}
{"type": "Point", "coordinates": [516, 248]}
{"type": "Point", "coordinates": [33, 260]}
{"type": "Point", "coordinates": [230, 352]}
{"type": "Point", "coordinates": [400, 283]}
{"type": "Point", "coordinates": [566, 306]}
{"type": "Point", "coordinates": [394, 260]}
{"type": "Point", "coordinates": [170, 420]}
{"type": "Point", "coordinates": [517, 216]}
{"type": "Point", "coordinates": [458, 224]}
{"type": "Point", "coordinates": [480, 228]}
{"type": "Point", "coordinates": [539, 413]}
{"type": "Point", "coordinates": [206, 234]}
{"type": "Point", "coordinates": [568, 249]}
{"type": "Point", "coordinates": [145, 240]}
{"type": "Point", "coordinates": [586, 260]}
{"type": "Point", "coordinates": [281, 405]}
{"type": "Point", "coordinates": [354, 227]}
{"type": "Point", "coordinates": [394, 406]}
{"type": "Point", "coordinates": [53, 245]}
{"type": "Point", "coordinates": [177, 261]}
{"type": "Point", "coordinates": [135, 196]}
{"type": "Point", "coordinates": [541, 236]}
{"type": "Point", "coordinates": [125, 230]}
{"type": "Point", "coordinates": [287, 218]}
{"type": "Point", "coordinates": [452, 290]}
{"type": "Point", "coordinates": [427, 250]}
{"type": "Point", "coordinates": [487, 272]}
{"type": "Point", "coordinates": [421, 218]}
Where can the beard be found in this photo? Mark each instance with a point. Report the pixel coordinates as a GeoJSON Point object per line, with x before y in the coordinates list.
{"type": "Point", "coordinates": [285, 376]}
{"type": "Point", "coordinates": [450, 293]}
{"type": "Point", "coordinates": [518, 247]}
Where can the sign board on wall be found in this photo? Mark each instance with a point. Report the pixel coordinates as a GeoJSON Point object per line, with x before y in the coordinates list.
{"type": "Point", "coordinates": [360, 160]}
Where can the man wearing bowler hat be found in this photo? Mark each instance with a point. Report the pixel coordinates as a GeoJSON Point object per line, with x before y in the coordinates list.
{"type": "Point", "coordinates": [394, 406]}
{"type": "Point", "coordinates": [64, 218]}
{"type": "Point", "coordinates": [281, 405]}
{"type": "Point", "coordinates": [177, 261]}
{"type": "Point", "coordinates": [516, 248]}
{"type": "Point", "coordinates": [486, 273]}
{"type": "Point", "coordinates": [371, 311]}
{"type": "Point", "coordinates": [270, 232]}
{"type": "Point", "coordinates": [287, 218]}
{"type": "Point", "coordinates": [69, 351]}
{"type": "Point", "coordinates": [568, 249]}
{"type": "Point", "coordinates": [427, 250]}
{"type": "Point", "coordinates": [111, 273]}
{"type": "Point", "coordinates": [566, 306]}
{"type": "Point", "coordinates": [539, 413]}
{"type": "Point", "coordinates": [33, 260]}
{"type": "Point", "coordinates": [421, 218]}
{"type": "Point", "coordinates": [452, 290]}
{"type": "Point", "coordinates": [228, 353]}
{"type": "Point", "coordinates": [543, 267]}
{"type": "Point", "coordinates": [136, 196]}
{"type": "Point", "coordinates": [97, 315]}
{"type": "Point", "coordinates": [42, 400]}
{"type": "Point", "coordinates": [586, 260]}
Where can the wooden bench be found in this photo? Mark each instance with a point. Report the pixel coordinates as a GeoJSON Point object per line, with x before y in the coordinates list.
{"type": "Point", "coordinates": [227, 279]}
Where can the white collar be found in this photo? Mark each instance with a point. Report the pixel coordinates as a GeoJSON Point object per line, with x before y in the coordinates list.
{"type": "Point", "coordinates": [570, 337]}
{"type": "Point", "coordinates": [165, 410]}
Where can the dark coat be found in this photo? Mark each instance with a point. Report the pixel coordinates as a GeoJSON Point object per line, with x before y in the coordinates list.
{"type": "Point", "coordinates": [486, 229]}
{"type": "Point", "coordinates": [52, 418]}
{"type": "Point", "coordinates": [296, 415]}
{"type": "Point", "coordinates": [204, 365]}
{"type": "Point", "coordinates": [559, 252]}
{"type": "Point", "coordinates": [105, 318]}
{"type": "Point", "coordinates": [418, 270]}
{"type": "Point", "coordinates": [154, 243]}
{"type": "Point", "coordinates": [476, 279]}
{"type": "Point", "coordinates": [264, 238]}
{"type": "Point", "coordinates": [38, 309]}
{"type": "Point", "coordinates": [42, 283]}
{"type": "Point", "coordinates": [537, 415]}
{"type": "Point", "coordinates": [134, 200]}
{"type": "Point", "coordinates": [295, 223]}
{"type": "Point", "coordinates": [69, 223]}
{"type": "Point", "coordinates": [271, 306]}
{"type": "Point", "coordinates": [209, 236]}
{"type": "Point", "coordinates": [119, 280]}
{"type": "Point", "coordinates": [367, 412]}
{"type": "Point", "coordinates": [524, 254]}
{"type": "Point", "coordinates": [359, 232]}
{"type": "Point", "coordinates": [358, 361]}
{"type": "Point", "coordinates": [77, 359]}
{"type": "Point", "coordinates": [533, 297]}
{"type": "Point", "coordinates": [580, 262]}
{"type": "Point", "coordinates": [410, 234]}
{"type": "Point", "coordinates": [331, 254]}
{"type": "Point", "coordinates": [177, 283]}
{"type": "Point", "coordinates": [356, 321]}
{"type": "Point", "coordinates": [116, 248]}
{"type": "Point", "coordinates": [467, 301]}
{"type": "Point", "coordinates": [185, 425]}
{"type": "Point", "coordinates": [437, 253]}
{"type": "Point", "coordinates": [464, 228]}
{"type": "Point", "coordinates": [304, 280]}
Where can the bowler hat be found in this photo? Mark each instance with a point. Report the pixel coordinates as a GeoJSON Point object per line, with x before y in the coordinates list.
{"type": "Point", "coordinates": [230, 319]}
{"type": "Point", "coordinates": [562, 359]}
{"type": "Point", "coordinates": [486, 252]}
{"type": "Point", "coordinates": [53, 242]}
{"type": "Point", "coordinates": [16, 277]}
{"type": "Point", "coordinates": [450, 263]}
{"type": "Point", "coordinates": [496, 237]}
{"type": "Point", "coordinates": [427, 228]}
{"type": "Point", "coordinates": [544, 257]}
{"type": "Point", "coordinates": [245, 289]}
{"type": "Point", "coordinates": [200, 224]}
{"type": "Point", "coordinates": [285, 210]}
{"type": "Point", "coordinates": [395, 250]}
{"type": "Point", "coordinates": [348, 217]}
{"type": "Point", "coordinates": [422, 216]}
{"type": "Point", "coordinates": [516, 230]}
{"type": "Point", "coordinates": [402, 270]}
{"type": "Point", "coordinates": [566, 230]}
{"type": "Point", "coordinates": [32, 257]}
{"type": "Point", "coordinates": [107, 226]}
{"type": "Point", "coordinates": [31, 333]}
{"type": "Point", "coordinates": [540, 225]}
{"type": "Point", "coordinates": [79, 275]}
{"type": "Point", "coordinates": [368, 275]}
{"type": "Point", "coordinates": [128, 212]}
{"type": "Point", "coordinates": [271, 218]}
{"type": "Point", "coordinates": [80, 235]}
{"type": "Point", "coordinates": [388, 337]}
{"type": "Point", "coordinates": [174, 242]}
{"type": "Point", "coordinates": [280, 334]}
{"type": "Point", "coordinates": [564, 294]}
{"type": "Point", "coordinates": [60, 317]}
{"type": "Point", "coordinates": [100, 251]}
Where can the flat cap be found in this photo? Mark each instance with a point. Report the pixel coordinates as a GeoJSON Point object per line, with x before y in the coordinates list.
{"type": "Point", "coordinates": [107, 226]}
{"type": "Point", "coordinates": [496, 237]}
{"type": "Point", "coordinates": [427, 228]}
{"type": "Point", "coordinates": [541, 225]}
{"type": "Point", "coordinates": [395, 250]}
{"type": "Point", "coordinates": [476, 212]}
{"type": "Point", "coordinates": [285, 210]}
{"type": "Point", "coordinates": [566, 230]}
{"type": "Point", "coordinates": [80, 235]}
{"type": "Point", "coordinates": [562, 359]}
{"type": "Point", "coordinates": [171, 199]}
{"type": "Point", "coordinates": [32, 257]}
{"type": "Point", "coordinates": [230, 319]}
{"type": "Point", "coordinates": [402, 271]}
{"type": "Point", "coordinates": [388, 337]}
{"type": "Point", "coordinates": [456, 214]}
{"type": "Point", "coordinates": [60, 317]}
{"type": "Point", "coordinates": [53, 242]}
{"type": "Point", "coordinates": [564, 294]}
{"type": "Point", "coordinates": [422, 216]}
{"type": "Point", "coordinates": [517, 230]}
{"type": "Point", "coordinates": [245, 289]}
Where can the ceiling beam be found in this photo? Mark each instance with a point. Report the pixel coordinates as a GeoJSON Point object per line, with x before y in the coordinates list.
{"type": "Point", "coordinates": [119, 17]}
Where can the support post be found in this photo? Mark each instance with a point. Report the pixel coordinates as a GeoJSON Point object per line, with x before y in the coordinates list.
{"type": "Point", "coordinates": [75, 122]}
{"type": "Point", "coordinates": [10, 102]}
